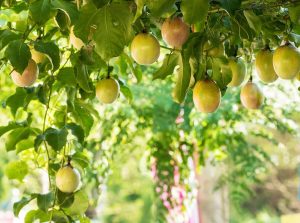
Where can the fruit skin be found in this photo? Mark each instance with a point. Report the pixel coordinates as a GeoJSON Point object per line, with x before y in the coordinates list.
{"type": "Point", "coordinates": [298, 77]}
{"type": "Point", "coordinates": [206, 96]}
{"type": "Point", "coordinates": [37, 56]}
{"type": "Point", "coordinates": [251, 96]}
{"type": "Point", "coordinates": [107, 90]}
{"type": "Point", "coordinates": [67, 179]}
{"type": "Point", "coordinates": [145, 49]}
{"type": "Point", "coordinates": [214, 51]}
{"type": "Point", "coordinates": [75, 41]}
{"type": "Point", "coordinates": [28, 76]}
{"type": "Point", "coordinates": [286, 61]}
{"type": "Point", "coordinates": [264, 66]}
{"type": "Point", "coordinates": [175, 32]}
{"type": "Point", "coordinates": [238, 69]}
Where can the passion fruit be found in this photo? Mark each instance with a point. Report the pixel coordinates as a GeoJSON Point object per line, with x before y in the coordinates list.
{"type": "Point", "coordinates": [214, 51]}
{"type": "Point", "coordinates": [238, 69]}
{"type": "Point", "coordinates": [76, 42]}
{"type": "Point", "coordinates": [251, 96]}
{"type": "Point", "coordinates": [206, 96]}
{"type": "Point", "coordinates": [286, 61]}
{"type": "Point", "coordinates": [175, 32]}
{"type": "Point", "coordinates": [107, 90]}
{"type": "Point", "coordinates": [67, 179]}
{"type": "Point", "coordinates": [28, 77]}
{"type": "Point", "coordinates": [37, 56]}
{"type": "Point", "coordinates": [145, 49]}
{"type": "Point", "coordinates": [264, 66]}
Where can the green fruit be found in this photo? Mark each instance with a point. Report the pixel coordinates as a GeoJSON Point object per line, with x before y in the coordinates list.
{"type": "Point", "coordinates": [214, 51]}
{"type": "Point", "coordinates": [251, 96]}
{"type": "Point", "coordinates": [175, 32]}
{"type": "Point", "coordinates": [238, 69]}
{"type": "Point", "coordinates": [67, 179]}
{"type": "Point", "coordinates": [145, 49]}
{"type": "Point", "coordinates": [107, 90]}
{"type": "Point", "coordinates": [264, 66]}
{"type": "Point", "coordinates": [28, 77]}
{"type": "Point", "coordinates": [206, 96]}
{"type": "Point", "coordinates": [286, 61]}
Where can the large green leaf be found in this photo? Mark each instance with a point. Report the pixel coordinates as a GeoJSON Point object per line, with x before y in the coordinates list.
{"type": "Point", "coordinates": [158, 7]}
{"type": "Point", "coordinates": [15, 136]}
{"type": "Point", "coordinates": [18, 53]}
{"type": "Point", "coordinates": [168, 66]}
{"type": "Point", "coordinates": [6, 36]}
{"type": "Point", "coordinates": [77, 131]}
{"type": "Point", "coordinates": [16, 170]}
{"type": "Point", "coordinates": [82, 77]}
{"type": "Point", "coordinates": [37, 215]}
{"type": "Point", "coordinates": [68, 7]}
{"type": "Point", "coordinates": [253, 20]}
{"type": "Point", "coordinates": [230, 5]}
{"type": "Point", "coordinates": [81, 159]}
{"type": "Point", "coordinates": [51, 50]}
{"type": "Point", "coordinates": [9, 127]}
{"type": "Point", "coordinates": [20, 204]}
{"type": "Point", "coordinates": [44, 201]}
{"type": "Point", "coordinates": [67, 76]}
{"type": "Point", "coordinates": [41, 11]}
{"type": "Point", "coordinates": [194, 11]}
{"type": "Point", "coordinates": [80, 204]}
{"type": "Point", "coordinates": [56, 138]}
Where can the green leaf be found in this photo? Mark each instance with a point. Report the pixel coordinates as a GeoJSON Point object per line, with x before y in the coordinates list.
{"type": "Point", "coordinates": [134, 69]}
{"type": "Point", "coordinates": [16, 170]}
{"type": "Point", "coordinates": [15, 137]}
{"type": "Point", "coordinates": [15, 50]}
{"type": "Point", "coordinates": [194, 11]}
{"type": "Point", "coordinates": [83, 117]}
{"type": "Point", "coordinates": [222, 74]}
{"type": "Point", "coordinates": [126, 92]}
{"type": "Point", "coordinates": [168, 66]}
{"type": "Point", "coordinates": [20, 204]}
{"type": "Point", "coordinates": [41, 11]}
{"type": "Point", "coordinates": [6, 36]}
{"type": "Point", "coordinates": [25, 144]}
{"type": "Point", "coordinates": [38, 141]}
{"type": "Point", "coordinates": [81, 159]}
{"type": "Point", "coordinates": [59, 216]}
{"type": "Point", "coordinates": [294, 13]}
{"type": "Point", "coordinates": [77, 131]}
{"type": "Point", "coordinates": [115, 32]}
{"type": "Point", "coordinates": [139, 8]}
{"type": "Point", "coordinates": [80, 204]}
{"type": "Point", "coordinates": [68, 7]}
{"type": "Point", "coordinates": [230, 5]}
{"type": "Point", "coordinates": [34, 215]}
{"type": "Point", "coordinates": [56, 138]}
{"type": "Point", "coordinates": [51, 50]}
{"type": "Point", "coordinates": [66, 76]}
{"type": "Point", "coordinates": [64, 200]}
{"type": "Point", "coordinates": [82, 77]}
{"type": "Point", "coordinates": [9, 127]}
{"type": "Point", "coordinates": [44, 201]}
{"type": "Point", "coordinates": [158, 7]}
{"type": "Point", "coordinates": [253, 20]}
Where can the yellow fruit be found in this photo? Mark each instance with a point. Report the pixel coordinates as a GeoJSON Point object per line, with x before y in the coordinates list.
{"type": "Point", "coordinates": [37, 56]}
{"type": "Point", "coordinates": [145, 49]}
{"type": "Point", "coordinates": [286, 61]}
{"type": "Point", "coordinates": [251, 96]}
{"type": "Point", "coordinates": [298, 77]}
{"type": "Point", "coordinates": [107, 90]}
{"type": "Point", "coordinates": [175, 32]}
{"type": "Point", "coordinates": [67, 179]}
{"type": "Point", "coordinates": [28, 76]}
{"type": "Point", "coordinates": [206, 96]}
{"type": "Point", "coordinates": [264, 66]}
{"type": "Point", "coordinates": [75, 41]}
{"type": "Point", "coordinates": [238, 69]}
{"type": "Point", "coordinates": [214, 51]}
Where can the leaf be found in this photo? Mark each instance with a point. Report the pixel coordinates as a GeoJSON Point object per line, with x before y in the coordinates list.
{"type": "Point", "coordinates": [158, 7]}
{"type": "Point", "coordinates": [126, 92]}
{"type": "Point", "coordinates": [15, 50]}
{"type": "Point", "coordinates": [25, 144]}
{"type": "Point", "coordinates": [80, 204]}
{"type": "Point", "coordinates": [64, 200]}
{"type": "Point", "coordinates": [81, 159]}
{"type": "Point", "coordinates": [20, 204]}
{"type": "Point", "coordinates": [194, 11]}
{"type": "Point", "coordinates": [38, 141]}
{"type": "Point", "coordinates": [222, 74]}
{"type": "Point", "coordinates": [41, 11]}
{"type": "Point", "coordinates": [294, 13]}
{"type": "Point", "coordinates": [115, 32]}
{"type": "Point", "coordinates": [56, 138]}
{"type": "Point", "coordinates": [59, 216]}
{"type": "Point", "coordinates": [135, 69]}
{"type": "Point", "coordinates": [139, 8]}
{"type": "Point", "coordinates": [9, 127]}
{"type": "Point", "coordinates": [6, 36]}
{"type": "Point", "coordinates": [253, 21]}
{"type": "Point", "coordinates": [83, 117]}
{"type": "Point", "coordinates": [15, 137]}
{"type": "Point", "coordinates": [16, 170]}
{"type": "Point", "coordinates": [44, 201]}
{"type": "Point", "coordinates": [66, 76]}
{"type": "Point", "coordinates": [230, 5]}
{"type": "Point", "coordinates": [168, 66]}
{"type": "Point", "coordinates": [51, 50]}
{"type": "Point", "coordinates": [77, 131]}
{"type": "Point", "coordinates": [68, 7]}
{"type": "Point", "coordinates": [82, 77]}
{"type": "Point", "coordinates": [34, 215]}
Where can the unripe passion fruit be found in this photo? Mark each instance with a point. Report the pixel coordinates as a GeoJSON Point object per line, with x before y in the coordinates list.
{"type": "Point", "coordinates": [107, 90]}
{"type": "Point", "coordinates": [214, 51]}
{"type": "Point", "coordinates": [251, 96]}
{"type": "Point", "coordinates": [175, 32]}
{"type": "Point", "coordinates": [28, 76]}
{"type": "Point", "coordinates": [264, 66]}
{"type": "Point", "coordinates": [286, 61]}
{"type": "Point", "coordinates": [238, 69]}
{"type": "Point", "coordinates": [206, 96]}
{"type": "Point", "coordinates": [67, 179]}
{"type": "Point", "coordinates": [145, 49]}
